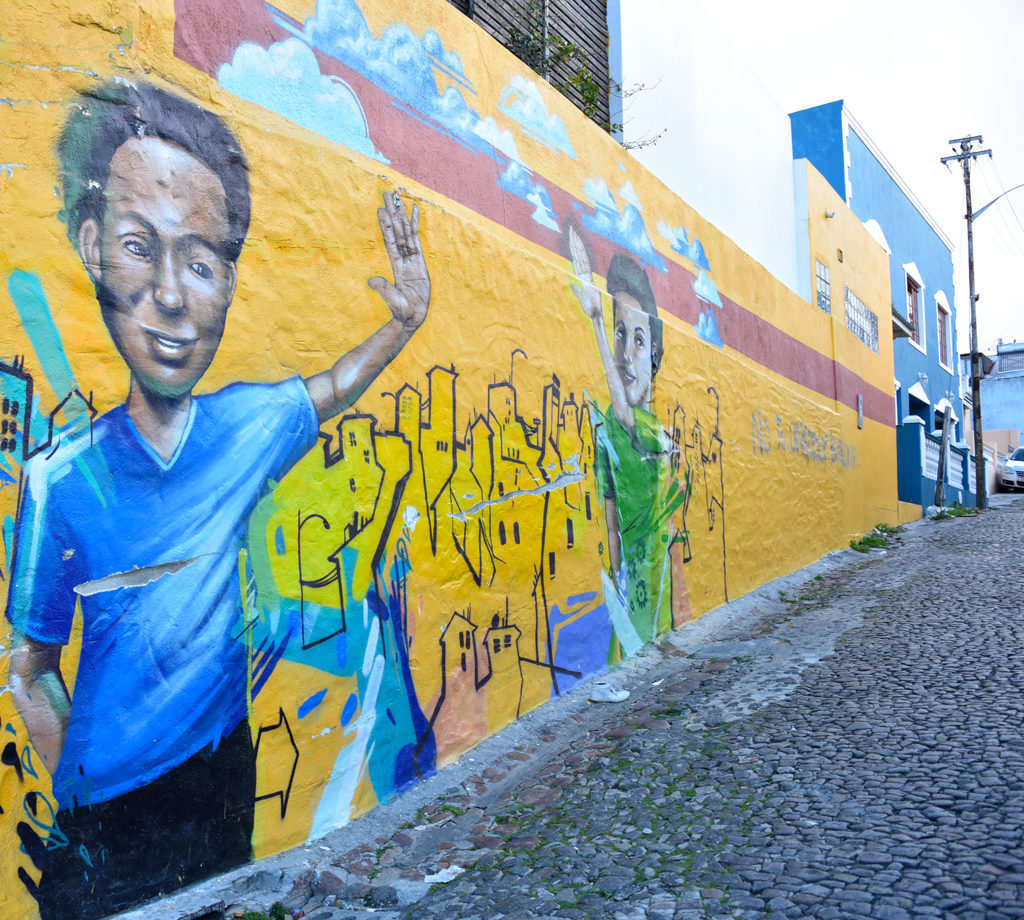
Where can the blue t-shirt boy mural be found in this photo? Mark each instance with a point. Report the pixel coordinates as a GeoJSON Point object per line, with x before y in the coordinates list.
{"type": "Point", "coordinates": [156, 196]}
{"type": "Point", "coordinates": [166, 651]}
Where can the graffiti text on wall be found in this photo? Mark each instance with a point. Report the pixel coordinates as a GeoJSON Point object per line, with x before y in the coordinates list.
{"type": "Point", "coordinates": [773, 433]}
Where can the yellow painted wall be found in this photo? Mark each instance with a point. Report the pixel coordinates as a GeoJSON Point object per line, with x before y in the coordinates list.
{"type": "Point", "coordinates": [856, 261]}
{"type": "Point", "coordinates": [457, 533]}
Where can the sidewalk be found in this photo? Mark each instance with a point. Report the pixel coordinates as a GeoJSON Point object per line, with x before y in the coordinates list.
{"type": "Point", "coordinates": [842, 742]}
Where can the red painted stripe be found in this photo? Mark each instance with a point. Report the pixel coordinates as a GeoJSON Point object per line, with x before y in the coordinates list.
{"type": "Point", "coordinates": [206, 35]}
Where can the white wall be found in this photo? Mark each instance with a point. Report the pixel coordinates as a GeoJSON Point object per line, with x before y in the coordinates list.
{"type": "Point", "coordinates": [726, 149]}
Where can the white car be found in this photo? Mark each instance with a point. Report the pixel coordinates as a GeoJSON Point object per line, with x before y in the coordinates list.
{"type": "Point", "coordinates": [1011, 472]}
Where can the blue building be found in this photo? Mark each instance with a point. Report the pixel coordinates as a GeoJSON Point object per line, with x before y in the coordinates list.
{"type": "Point", "coordinates": [925, 357]}
{"type": "Point", "coordinates": [1002, 391]}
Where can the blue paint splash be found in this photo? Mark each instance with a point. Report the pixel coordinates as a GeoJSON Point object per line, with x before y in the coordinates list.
{"type": "Point", "coordinates": [29, 300]}
{"type": "Point", "coordinates": [351, 705]}
{"type": "Point", "coordinates": [309, 705]}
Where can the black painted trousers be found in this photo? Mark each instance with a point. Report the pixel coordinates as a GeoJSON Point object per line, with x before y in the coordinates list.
{"type": "Point", "coordinates": [186, 826]}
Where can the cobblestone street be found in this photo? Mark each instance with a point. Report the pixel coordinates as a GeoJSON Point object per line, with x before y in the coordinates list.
{"type": "Point", "coordinates": [760, 775]}
{"type": "Point", "coordinates": [889, 784]}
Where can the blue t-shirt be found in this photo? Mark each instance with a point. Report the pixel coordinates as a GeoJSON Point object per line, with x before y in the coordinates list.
{"type": "Point", "coordinates": [163, 665]}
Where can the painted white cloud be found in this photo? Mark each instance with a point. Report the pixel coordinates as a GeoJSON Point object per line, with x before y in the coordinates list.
{"type": "Point", "coordinates": [706, 289]}
{"type": "Point", "coordinates": [679, 238]}
{"type": "Point", "coordinates": [404, 66]}
{"type": "Point", "coordinates": [626, 228]}
{"type": "Point", "coordinates": [521, 100]}
{"type": "Point", "coordinates": [597, 192]}
{"type": "Point", "coordinates": [628, 193]}
{"type": "Point", "coordinates": [707, 328]}
{"type": "Point", "coordinates": [286, 79]}
{"type": "Point", "coordinates": [433, 46]}
{"type": "Point", "coordinates": [398, 62]}
{"type": "Point", "coordinates": [501, 140]}
{"type": "Point", "coordinates": [543, 214]}
{"type": "Point", "coordinates": [518, 180]}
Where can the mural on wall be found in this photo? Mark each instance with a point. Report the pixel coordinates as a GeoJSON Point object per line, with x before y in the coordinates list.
{"type": "Point", "coordinates": [202, 540]}
{"type": "Point", "coordinates": [253, 589]}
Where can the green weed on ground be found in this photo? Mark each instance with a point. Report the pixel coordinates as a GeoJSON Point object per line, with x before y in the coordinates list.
{"type": "Point", "coordinates": [276, 913]}
{"type": "Point", "coordinates": [816, 593]}
{"type": "Point", "coordinates": [955, 511]}
{"type": "Point", "coordinates": [880, 537]}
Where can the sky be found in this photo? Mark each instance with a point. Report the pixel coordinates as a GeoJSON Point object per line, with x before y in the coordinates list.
{"type": "Point", "coordinates": [914, 74]}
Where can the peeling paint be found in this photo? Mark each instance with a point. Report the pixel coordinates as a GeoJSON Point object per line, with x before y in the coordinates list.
{"type": "Point", "coordinates": [559, 482]}
{"type": "Point", "coordinates": [42, 67]}
{"type": "Point", "coordinates": [134, 578]}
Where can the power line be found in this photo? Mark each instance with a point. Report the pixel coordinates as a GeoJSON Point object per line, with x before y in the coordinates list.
{"type": "Point", "coordinates": [1002, 185]}
{"type": "Point", "coordinates": [1010, 233]}
{"type": "Point", "coordinates": [1003, 259]}
{"type": "Point", "coordinates": [999, 240]}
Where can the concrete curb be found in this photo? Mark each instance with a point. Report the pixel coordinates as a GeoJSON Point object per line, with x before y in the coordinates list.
{"type": "Point", "coordinates": [352, 864]}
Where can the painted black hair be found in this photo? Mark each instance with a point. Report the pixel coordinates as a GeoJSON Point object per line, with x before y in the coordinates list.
{"type": "Point", "coordinates": [626, 276]}
{"type": "Point", "coordinates": [118, 110]}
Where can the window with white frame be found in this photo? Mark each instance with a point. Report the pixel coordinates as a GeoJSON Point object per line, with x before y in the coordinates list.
{"type": "Point", "coordinates": [824, 281]}
{"type": "Point", "coordinates": [861, 321]}
{"type": "Point", "coordinates": [944, 329]}
{"type": "Point", "coordinates": [915, 306]}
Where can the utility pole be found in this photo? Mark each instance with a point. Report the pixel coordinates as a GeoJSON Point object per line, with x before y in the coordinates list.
{"type": "Point", "coordinates": [964, 157]}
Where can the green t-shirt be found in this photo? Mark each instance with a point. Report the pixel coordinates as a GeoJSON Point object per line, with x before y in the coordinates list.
{"type": "Point", "coordinates": [632, 470]}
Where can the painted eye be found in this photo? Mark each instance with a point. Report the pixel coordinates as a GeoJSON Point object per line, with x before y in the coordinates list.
{"type": "Point", "coordinates": [137, 247]}
{"type": "Point", "coordinates": [202, 270]}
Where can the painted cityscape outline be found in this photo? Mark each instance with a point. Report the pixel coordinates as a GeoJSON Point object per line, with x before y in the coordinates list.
{"type": "Point", "coordinates": [363, 672]}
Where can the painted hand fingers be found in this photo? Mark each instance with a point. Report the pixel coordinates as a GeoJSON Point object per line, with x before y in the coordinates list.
{"type": "Point", "coordinates": [404, 232]}
{"type": "Point", "coordinates": [387, 230]}
{"type": "Point", "coordinates": [578, 252]}
{"type": "Point", "coordinates": [409, 296]}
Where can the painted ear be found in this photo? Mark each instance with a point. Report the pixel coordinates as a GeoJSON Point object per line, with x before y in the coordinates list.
{"type": "Point", "coordinates": [89, 248]}
{"type": "Point", "coordinates": [657, 344]}
{"type": "Point", "coordinates": [232, 281]}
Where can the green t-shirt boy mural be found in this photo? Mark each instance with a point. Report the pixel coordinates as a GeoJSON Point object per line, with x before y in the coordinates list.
{"type": "Point", "coordinates": [633, 452]}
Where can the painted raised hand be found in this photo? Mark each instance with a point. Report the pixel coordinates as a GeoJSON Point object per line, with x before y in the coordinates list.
{"type": "Point", "coordinates": [408, 297]}
{"type": "Point", "coordinates": [588, 294]}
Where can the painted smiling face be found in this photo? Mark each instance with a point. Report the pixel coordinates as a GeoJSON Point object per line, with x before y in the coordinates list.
{"type": "Point", "coordinates": [164, 287]}
{"type": "Point", "coordinates": [633, 349]}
